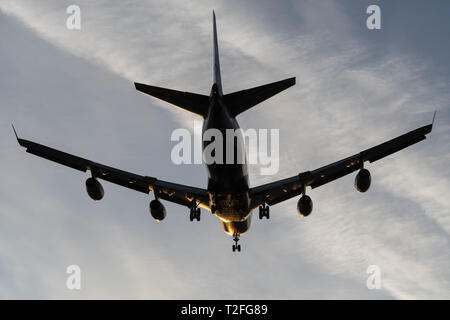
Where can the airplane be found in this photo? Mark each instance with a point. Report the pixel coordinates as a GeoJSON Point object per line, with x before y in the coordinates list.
{"type": "Point", "coordinates": [228, 195]}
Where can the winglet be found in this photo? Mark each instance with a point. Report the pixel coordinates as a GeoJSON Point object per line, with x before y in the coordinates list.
{"type": "Point", "coordinates": [20, 141]}
{"type": "Point", "coordinates": [15, 132]}
{"type": "Point", "coordinates": [434, 116]}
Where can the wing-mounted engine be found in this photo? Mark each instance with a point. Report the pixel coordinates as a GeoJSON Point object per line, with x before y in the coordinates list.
{"type": "Point", "coordinates": [362, 180]}
{"type": "Point", "coordinates": [94, 189]}
{"type": "Point", "coordinates": [157, 210]}
{"type": "Point", "coordinates": [304, 206]}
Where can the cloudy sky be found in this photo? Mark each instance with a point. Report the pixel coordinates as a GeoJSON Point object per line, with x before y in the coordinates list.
{"type": "Point", "coordinates": [73, 90]}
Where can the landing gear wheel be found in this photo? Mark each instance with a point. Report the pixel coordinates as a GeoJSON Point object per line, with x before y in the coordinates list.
{"type": "Point", "coordinates": [264, 212]}
{"type": "Point", "coordinates": [236, 246]}
{"type": "Point", "coordinates": [194, 214]}
{"type": "Point", "coordinates": [197, 214]}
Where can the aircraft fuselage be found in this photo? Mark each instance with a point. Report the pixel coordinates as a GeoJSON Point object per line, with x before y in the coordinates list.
{"type": "Point", "coordinates": [228, 183]}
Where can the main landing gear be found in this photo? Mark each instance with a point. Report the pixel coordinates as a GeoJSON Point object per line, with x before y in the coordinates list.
{"type": "Point", "coordinates": [236, 246]}
{"type": "Point", "coordinates": [195, 214]}
{"type": "Point", "coordinates": [264, 211]}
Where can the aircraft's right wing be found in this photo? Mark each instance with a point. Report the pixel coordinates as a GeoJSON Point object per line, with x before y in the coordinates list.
{"type": "Point", "coordinates": [177, 193]}
{"type": "Point", "coordinates": [281, 190]}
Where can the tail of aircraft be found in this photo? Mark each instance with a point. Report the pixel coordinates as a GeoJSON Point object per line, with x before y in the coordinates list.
{"type": "Point", "coordinates": [236, 102]}
{"type": "Point", "coordinates": [216, 69]}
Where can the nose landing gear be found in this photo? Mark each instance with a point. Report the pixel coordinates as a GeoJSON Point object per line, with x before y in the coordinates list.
{"type": "Point", "coordinates": [236, 246]}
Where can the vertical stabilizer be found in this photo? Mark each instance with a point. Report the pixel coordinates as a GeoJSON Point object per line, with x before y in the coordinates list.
{"type": "Point", "coordinates": [217, 79]}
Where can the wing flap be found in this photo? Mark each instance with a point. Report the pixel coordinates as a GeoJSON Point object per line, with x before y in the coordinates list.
{"type": "Point", "coordinates": [335, 171]}
{"type": "Point", "coordinates": [181, 194]}
{"type": "Point", "coordinates": [122, 178]}
{"type": "Point", "coordinates": [396, 144]}
{"type": "Point", "coordinates": [278, 191]}
{"type": "Point", "coordinates": [55, 155]}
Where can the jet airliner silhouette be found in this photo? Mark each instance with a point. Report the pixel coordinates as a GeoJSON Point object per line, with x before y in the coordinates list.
{"type": "Point", "coordinates": [228, 195]}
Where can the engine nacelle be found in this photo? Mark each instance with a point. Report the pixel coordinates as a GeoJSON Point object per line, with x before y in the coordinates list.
{"type": "Point", "coordinates": [157, 210]}
{"type": "Point", "coordinates": [362, 180]}
{"type": "Point", "coordinates": [94, 189]}
{"type": "Point", "coordinates": [304, 206]}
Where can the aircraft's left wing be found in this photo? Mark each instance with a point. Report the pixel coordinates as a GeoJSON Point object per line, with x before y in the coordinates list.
{"type": "Point", "coordinates": [281, 190]}
{"type": "Point", "coordinates": [177, 193]}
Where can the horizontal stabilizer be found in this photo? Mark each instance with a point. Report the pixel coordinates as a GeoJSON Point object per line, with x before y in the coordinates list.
{"type": "Point", "coordinates": [192, 102]}
{"type": "Point", "coordinates": [241, 101]}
